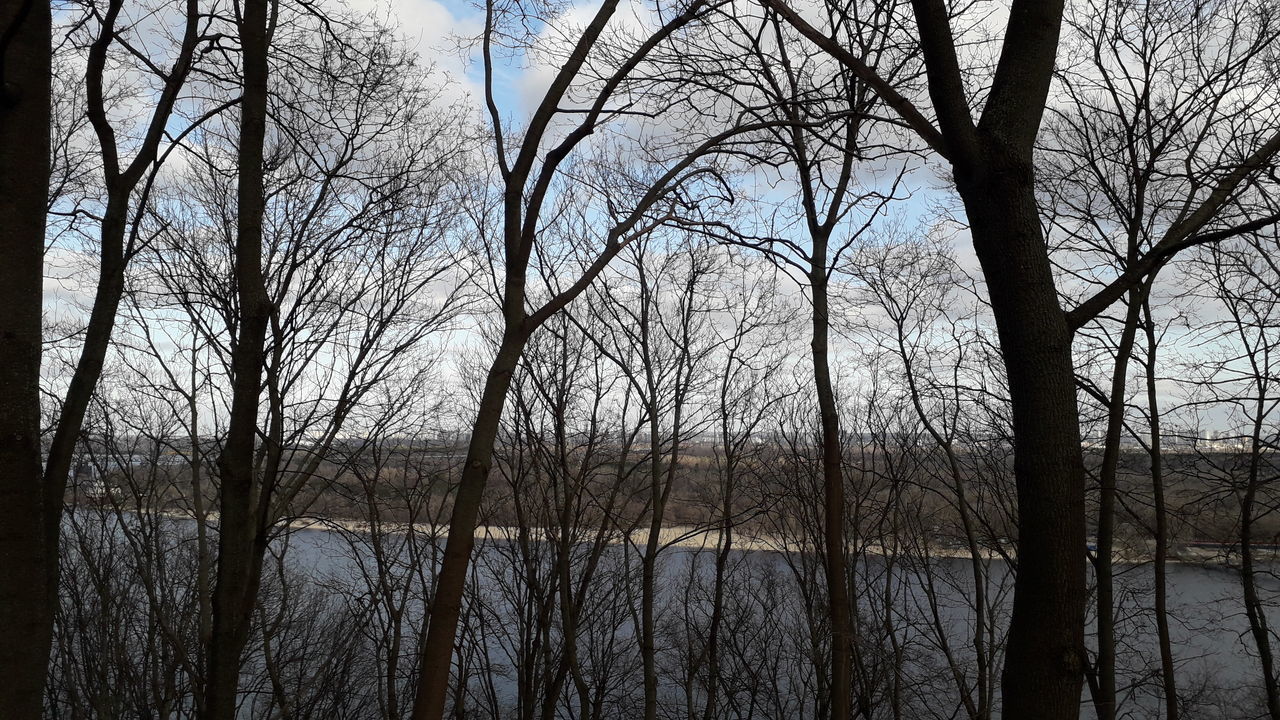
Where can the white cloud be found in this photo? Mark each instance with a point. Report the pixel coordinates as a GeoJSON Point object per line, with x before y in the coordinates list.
{"type": "Point", "coordinates": [433, 29]}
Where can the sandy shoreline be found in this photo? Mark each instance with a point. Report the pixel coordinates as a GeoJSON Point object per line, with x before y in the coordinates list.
{"type": "Point", "coordinates": [698, 538]}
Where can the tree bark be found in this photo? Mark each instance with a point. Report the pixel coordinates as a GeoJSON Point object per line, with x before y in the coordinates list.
{"type": "Point", "coordinates": [1104, 701]}
{"type": "Point", "coordinates": [1168, 678]}
{"type": "Point", "coordinates": [24, 144]}
{"type": "Point", "coordinates": [28, 563]}
{"type": "Point", "coordinates": [1044, 662]}
{"type": "Point", "coordinates": [446, 606]}
{"type": "Point", "coordinates": [833, 492]}
{"type": "Point", "coordinates": [1254, 607]}
{"type": "Point", "coordinates": [992, 166]}
{"type": "Point", "coordinates": [240, 541]}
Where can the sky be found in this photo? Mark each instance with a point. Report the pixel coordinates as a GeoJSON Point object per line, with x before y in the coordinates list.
{"type": "Point", "coordinates": [432, 27]}
{"type": "Point", "coordinates": [438, 29]}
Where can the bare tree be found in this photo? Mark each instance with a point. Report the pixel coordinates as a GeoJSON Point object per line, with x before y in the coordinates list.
{"type": "Point", "coordinates": [343, 286]}
{"type": "Point", "coordinates": [566, 465]}
{"type": "Point", "coordinates": [1160, 508]}
{"type": "Point", "coordinates": [992, 162]}
{"type": "Point", "coordinates": [826, 142]}
{"type": "Point", "coordinates": [531, 174]}
{"type": "Point", "coordinates": [25, 607]}
{"type": "Point", "coordinates": [657, 334]}
{"type": "Point", "coordinates": [241, 543]}
{"type": "Point", "coordinates": [1140, 133]}
{"type": "Point", "coordinates": [916, 315]}
{"type": "Point", "coordinates": [26, 48]}
{"type": "Point", "coordinates": [1241, 275]}
{"type": "Point", "coordinates": [752, 359]}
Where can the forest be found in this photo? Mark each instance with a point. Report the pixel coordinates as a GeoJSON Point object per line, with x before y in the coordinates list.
{"type": "Point", "coordinates": [679, 359]}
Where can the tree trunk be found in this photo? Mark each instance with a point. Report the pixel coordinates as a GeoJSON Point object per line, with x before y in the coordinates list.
{"type": "Point", "coordinates": [1044, 662]}
{"type": "Point", "coordinates": [1253, 602]}
{"type": "Point", "coordinates": [26, 605]}
{"type": "Point", "coordinates": [833, 493]}
{"type": "Point", "coordinates": [1104, 701]}
{"type": "Point", "coordinates": [725, 542]}
{"type": "Point", "coordinates": [1168, 677]}
{"type": "Point", "coordinates": [446, 606]}
{"type": "Point", "coordinates": [240, 543]}
{"type": "Point", "coordinates": [97, 340]}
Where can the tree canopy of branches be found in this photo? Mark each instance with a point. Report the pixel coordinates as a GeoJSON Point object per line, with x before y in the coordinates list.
{"type": "Point", "coordinates": [711, 359]}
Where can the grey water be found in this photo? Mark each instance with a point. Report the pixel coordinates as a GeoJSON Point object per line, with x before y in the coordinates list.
{"type": "Point", "coordinates": [1216, 661]}
{"type": "Point", "coordinates": [915, 624]}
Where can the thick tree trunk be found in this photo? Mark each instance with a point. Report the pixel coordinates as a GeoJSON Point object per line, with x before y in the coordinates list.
{"type": "Point", "coordinates": [1044, 661]}
{"type": "Point", "coordinates": [240, 544]}
{"type": "Point", "coordinates": [28, 563]}
{"type": "Point", "coordinates": [446, 606]}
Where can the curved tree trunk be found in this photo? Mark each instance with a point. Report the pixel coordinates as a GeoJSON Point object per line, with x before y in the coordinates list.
{"type": "Point", "coordinates": [446, 606]}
